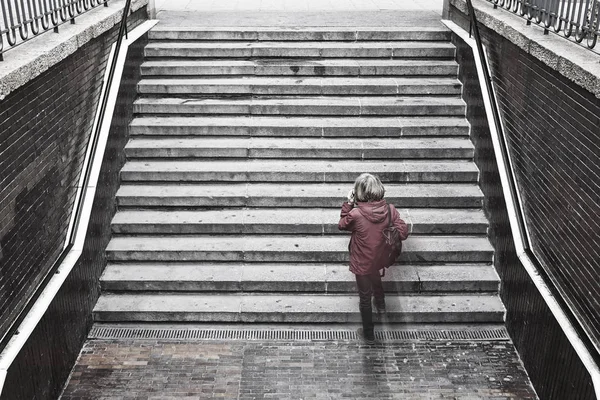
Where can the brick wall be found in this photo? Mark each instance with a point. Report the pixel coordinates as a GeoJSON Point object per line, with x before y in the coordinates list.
{"type": "Point", "coordinates": [44, 128]}
{"type": "Point", "coordinates": [540, 109]}
{"type": "Point", "coordinates": [553, 130]}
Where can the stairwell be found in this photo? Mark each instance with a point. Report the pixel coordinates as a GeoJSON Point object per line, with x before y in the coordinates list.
{"type": "Point", "coordinates": [243, 148]}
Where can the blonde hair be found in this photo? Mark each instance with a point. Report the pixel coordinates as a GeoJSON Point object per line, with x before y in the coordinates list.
{"type": "Point", "coordinates": [368, 187]}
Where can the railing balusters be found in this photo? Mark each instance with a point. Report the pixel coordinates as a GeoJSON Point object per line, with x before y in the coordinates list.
{"type": "Point", "coordinates": [34, 17]}
{"type": "Point", "coordinates": [70, 6]}
{"type": "Point", "coordinates": [9, 22]}
{"type": "Point", "coordinates": [20, 15]}
{"type": "Point", "coordinates": [593, 30]}
{"type": "Point", "coordinates": [54, 15]}
{"type": "Point", "coordinates": [44, 15]}
{"type": "Point", "coordinates": [580, 32]}
{"type": "Point", "coordinates": [578, 18]}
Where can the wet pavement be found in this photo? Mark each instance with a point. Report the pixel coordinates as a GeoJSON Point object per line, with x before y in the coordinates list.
{"type": "Point", "coordinates": [318, 369]}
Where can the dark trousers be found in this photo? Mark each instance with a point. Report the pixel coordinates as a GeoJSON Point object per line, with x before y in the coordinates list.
{"type": "Point", "coordinates": [369, 285]}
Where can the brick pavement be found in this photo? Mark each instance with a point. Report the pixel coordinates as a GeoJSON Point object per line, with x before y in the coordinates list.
{"type": "Point", "coordinates": [163, 369]}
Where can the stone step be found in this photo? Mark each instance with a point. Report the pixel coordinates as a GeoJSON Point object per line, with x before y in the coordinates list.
{"type": "Point", "coordinates": [300, 34]}
{"type": "Point", "coordinates": [372, 49]}
{"type": "Point", "coordinates": [359, 149]}
{"type": "Point", "coordinates": [291, 195]}
{"type": "Point", "coordinates": [300, 221]}
{"type": "Point", "coordinates": [311, 106]}
{"type": "Point", "coordinates": [336, 86]}
{"type": "Point", "coordinates": [287, 67]}
{"type": "Point", "coordinates": [299, 126]}
{"type": "Point", "coordinates": [294, 308]}
{"type": "Point", "coordinates": [319, 278]}
{"type": "Point", "coordinates": [314, 171]}
{"type": "Point", "coordinates": [323, 249]}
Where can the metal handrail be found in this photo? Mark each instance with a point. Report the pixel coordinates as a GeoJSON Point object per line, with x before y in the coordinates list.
{"type": "Point", "coordinates": [98, 127]}
{"type": "Point", "coordinates": [74, 243]}
{"type": "Point", "coordinates": [23, 20]}
{"type": "Point", "coordinates": [39, 309]}
{"type": "Point", "coordinates": [573, 331]}
{"type": "Point", "coordinates": [566, 17]}
{"type": "Point", "coordinates": [86, 173]}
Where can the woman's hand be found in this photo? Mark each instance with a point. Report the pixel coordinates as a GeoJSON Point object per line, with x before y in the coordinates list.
{"type": "Point", "coordinates": [351, 196]}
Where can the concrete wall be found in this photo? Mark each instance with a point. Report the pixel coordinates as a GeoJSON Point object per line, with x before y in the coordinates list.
{"type": "Point", "coordinates": [552, 126]}
{"type": "Point", "coordinates": [45, 125]}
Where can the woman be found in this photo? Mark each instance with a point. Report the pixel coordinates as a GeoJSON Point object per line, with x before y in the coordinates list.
{"type": "Point", "coordinates": [365, 214]}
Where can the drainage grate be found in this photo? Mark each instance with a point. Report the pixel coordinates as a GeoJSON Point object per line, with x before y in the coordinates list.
{"type": "Point", "coordinates": [293, 334]}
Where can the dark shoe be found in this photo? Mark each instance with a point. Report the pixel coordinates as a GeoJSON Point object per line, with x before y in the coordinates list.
{"type": "Point", "coordinates": [368, 340]}
{"type": "Point", "coordinates": [367, 323]}
{"type": "Point", "coordinates": [379, 306]}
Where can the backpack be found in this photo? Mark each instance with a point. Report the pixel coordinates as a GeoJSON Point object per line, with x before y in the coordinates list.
{"type": "Point", "coordinates": [391, 246]}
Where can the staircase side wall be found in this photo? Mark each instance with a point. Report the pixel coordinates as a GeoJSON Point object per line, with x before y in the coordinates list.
{"type": "Point", "coordinates": [552, 364]}
{"type": "Point", "coordinates": [45, 128]}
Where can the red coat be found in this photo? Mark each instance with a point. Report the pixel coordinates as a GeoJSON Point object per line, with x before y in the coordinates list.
{"type": "Point", "coordinates": [366, 221]}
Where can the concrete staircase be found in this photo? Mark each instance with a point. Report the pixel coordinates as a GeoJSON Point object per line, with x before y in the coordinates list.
{"type": "Point", "coordinates": [243, 148]}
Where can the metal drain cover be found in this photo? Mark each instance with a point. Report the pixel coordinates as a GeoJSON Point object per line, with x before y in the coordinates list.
{"type": "Point", "coordinates": [292, 334]}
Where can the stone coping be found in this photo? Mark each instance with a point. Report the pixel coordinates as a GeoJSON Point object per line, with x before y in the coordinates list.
{"type": "Point", "coordinates": [29, 60]}
{"type": "Point", "coordinates": [576, 63]}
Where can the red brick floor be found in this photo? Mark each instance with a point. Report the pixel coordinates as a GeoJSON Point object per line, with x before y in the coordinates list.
{"type": "Point", "coordinates": [162, 369]}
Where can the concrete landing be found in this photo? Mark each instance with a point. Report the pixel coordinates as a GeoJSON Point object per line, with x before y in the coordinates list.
{"type": "Point", "coordinates": [298, 5]}
{"type": "Point", "coordinates": [391, 18]}
{"type": "Point", "coordinates": [282, 13]}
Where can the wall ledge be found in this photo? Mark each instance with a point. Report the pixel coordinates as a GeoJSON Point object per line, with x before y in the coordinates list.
{"type": "Point", "coordinates": [31, 59]}
{"type": "Point", "coordinates": [574, 62]}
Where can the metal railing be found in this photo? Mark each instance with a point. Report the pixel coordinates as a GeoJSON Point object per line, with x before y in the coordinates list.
{"type": "Point", "coordinates": [77, 208]}
{"type": "Point", "coordinates": [86, 174]}
{"type": "Point", "coordinates": [22, 20]}
{"type": "Point", "coordinates": [576, 19]}
{"type": "Point", "coordinates": [572, 330]}
{"type": "Point", "coordinates": [80, 219]}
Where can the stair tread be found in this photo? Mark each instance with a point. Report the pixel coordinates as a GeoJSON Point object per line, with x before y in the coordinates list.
{"type": "Point", "coordinates": [326, 62]}
{"type": "Point", "coordinates": [332, 190]}
{"type": "Point", "coordinates": [337, 80]}
{"type": "Point", "coordinates": [258, 121]}
{"type": "Point", "coordinates": [273, 243]}
{"type": "Point", "coordinates": [312, 216]}
{"type": "Point", "coordinates": [219, 44]}
{"type": "Point", "coordinates": [325, 166]}
{"type": "Point", "coordinates": [295, 170]}
{"type": "Point", "coordinates": [299, 126]}
{"type": "Point", "coordinates": [291, 195]}
{"type": "Point", "coordinates": [292, 303]}
{"type": "Point", "coordinates": [240, 272]}
{"type": "Point", "coordinates": [296, 33]}
{"type": "Point", "coordinates": [304, 105]}
{"type": "Point", "coordinates": [262, 85]}
{"type": "Point", "coordinates": [298, 67]}
{"type": "Point", "coordinates": [300, 49]}
{"type": "Point", "coordinates": [299, 143]}
{"type": "Point", "coordinates": [368, 29]}
{"type": "Point", "coordinates": [313, 100]}
{"type": "Point", "coordinates": [308, 221]}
